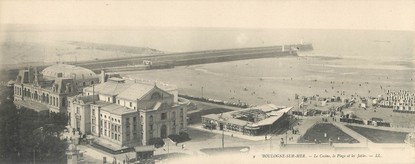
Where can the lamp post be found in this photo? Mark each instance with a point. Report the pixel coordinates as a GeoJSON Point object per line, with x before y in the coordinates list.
{"type": "Point", "coordinates": [168, 149]}
{"type": "Point", "coordinates": [223, 140]}
{"type": "Point", "coordinates": [270, 137]}
{"type": "Point", "coordinates": [286, 136]}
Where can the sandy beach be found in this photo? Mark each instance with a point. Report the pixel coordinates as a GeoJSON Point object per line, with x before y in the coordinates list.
{"type": "Point", "coordinates": [277, 80]}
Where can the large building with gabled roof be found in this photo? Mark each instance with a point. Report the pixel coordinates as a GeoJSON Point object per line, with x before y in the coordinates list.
{"type": "Point", "coordinates": [127, 113]}
{"type": "Point", "coordinates": [49, 89]}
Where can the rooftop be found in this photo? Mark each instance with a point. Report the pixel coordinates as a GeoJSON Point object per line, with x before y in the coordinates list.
{"type": "Point", "coordinates": [124, 89]}
{"type": "Point", "coordinates": [87, 99]}
{"type": "Point", "coordinates": [135, 91]}
{"type": "Point", "coordinates": [265, 115]}
{"type": "Point", "coordinates": [68, 71]}
{"type": "Point", "coordinates": [114, 108]}
{"type": "Point", "coordinates": [112, 88]}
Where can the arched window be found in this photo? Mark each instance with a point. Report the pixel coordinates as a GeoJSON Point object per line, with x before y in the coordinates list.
{"type": "Point", "coordinates": [151, 118]}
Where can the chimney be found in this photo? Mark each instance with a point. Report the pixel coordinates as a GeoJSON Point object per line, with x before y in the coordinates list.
{"type": "Point", "coordinates": [93, 94]}
{"type": "Point", "coordinates": [102, 76]}
{"type": "Point", "coordinates": [29, 76]}
{"type": "Point", "coordinates": [36, 80]}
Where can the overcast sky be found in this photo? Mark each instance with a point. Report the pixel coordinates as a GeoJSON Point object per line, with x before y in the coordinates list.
{"type": "Point", "coordinates": [390, 15]}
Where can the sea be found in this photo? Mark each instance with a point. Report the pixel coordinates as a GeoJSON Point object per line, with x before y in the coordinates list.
{"type": "Point", "coordinates": [370, 45]}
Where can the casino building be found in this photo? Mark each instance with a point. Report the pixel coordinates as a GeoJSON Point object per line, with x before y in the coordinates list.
{"type": "Point", "coordinates": [127, 113]}
{"type": "Point", "coordinates": [49, 89]}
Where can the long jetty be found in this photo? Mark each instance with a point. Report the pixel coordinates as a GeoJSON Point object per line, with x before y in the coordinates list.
{"type": "Point", "coordinates": [192, 58]}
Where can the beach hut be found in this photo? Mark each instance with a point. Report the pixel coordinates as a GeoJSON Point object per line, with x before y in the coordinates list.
{"type": "Point", "coordinates": [363, 105]}
{"type": "Point", "coordinates": [324, 103]}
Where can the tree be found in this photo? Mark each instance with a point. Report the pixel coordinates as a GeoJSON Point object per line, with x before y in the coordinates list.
{"type": "Point", "coordinates": [157, 142]}
{"type": "Point", "coordinates": [26, 135]}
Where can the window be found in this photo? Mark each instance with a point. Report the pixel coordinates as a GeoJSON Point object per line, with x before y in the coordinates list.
{"type": "Point", "coordinates": [163, 116]}
{"type": "Point", "coordinates": [151, 118]}
{"type": "Point", "coordinates": [131, 104]}
{"type": "Point", "coordinates": [134, 119]}
{"type": "Point", "coordinates": [92, 82]}
{"type": "Point", "coordinates": [155, 96]}
{"type": "Point", "coordinates": [109, 99]}
{"type": "Point", "coordinates": [118, 101]}
{"type": "Point", "coordinates": [173, 114]}
{"type": "Point", "coordinates": [151, 127]}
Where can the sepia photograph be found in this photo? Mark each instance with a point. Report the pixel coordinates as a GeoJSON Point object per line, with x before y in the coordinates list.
{"type": "Point", "coordinates": [198, 81]}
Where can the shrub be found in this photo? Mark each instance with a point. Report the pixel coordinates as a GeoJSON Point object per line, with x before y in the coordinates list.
{"type": "Point", "coordinates": [182, 137]}
{"type": "Point", "coordinates": [157, 142]}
